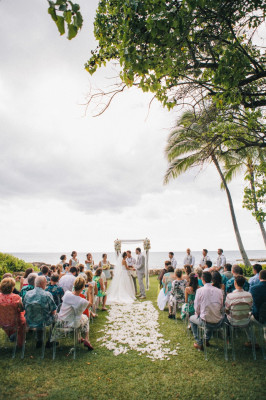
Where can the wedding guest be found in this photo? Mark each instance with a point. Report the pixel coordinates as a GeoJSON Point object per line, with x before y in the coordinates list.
{"type": "Point", "coordinates": [38, 296]}
{"type": "Point", "coordinates": [190, 293]}
{"type": "Point", "coordinates": [164, 271]}
{"type": "Point", "coordinates": [255, 280]}
{"type": "Point", "coordinates": [177, 294]}
{"type": "Point", "coordinates": [90, 283]}
{"type": "Point", "coordinates": [63, 259]}
{"type": "Point", "coordinates": [208, 306]}
{"type": "Point", "coordinates": [74, 262]}
{"type": "Point", "coordinates": [131, 261]}
{"type": "Point", "coordinates": [208, 266]}
{"type": "Point", "coordinates": [44, 272]}
{"type": "Point", "coordinates": [164, 293]}
{"type": "Point", "coordinates": [188, 271]}
{"type": "Point", "coordinates": [221, 261]}
{"type": "Point", "coordinates": [204, 258]}
{"type": "Point", "coordinates": [89, 263]}
{"type": "Point", "coordinates": [236, 270]}
{"type": "Point", "coordinates": [9, 299]}
{"type": "Point", "coordinates": [81, 271]}
{"type": "Point", "coordinates": [105, 265]}
{"type": "Point", "coordinates": [56, 291]}
{"type": "Point", "coordinates": [71, 313]}
{"type": "Point", "coordinates": [227, 274]}
{"type": "Point", "coordinates": [189, 259]}
{"type": "Point", "coordinates": [173, 260]}
{"type": "Point", "coordinates": [30, 286]}
{"type": "Point", "coordinates": [24, 279]}
{"type": "Point", "coordinates": [217, 281]}
{"type": "Point", "coordinates": [8, 275]}
{"type": "Point", "coordinates": [67, 280]}
{"type": "Point", "coordinates": [239, 295]}
{"type": "Point", "coordinates": [101, 287]}
{"type": "Point", "coordinates": [258, 293]}
{"type": "Point", "coordinates": [199, 271]}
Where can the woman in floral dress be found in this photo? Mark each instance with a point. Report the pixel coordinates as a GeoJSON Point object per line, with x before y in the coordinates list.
{"type": "Point", "coordinates": [177, 295]}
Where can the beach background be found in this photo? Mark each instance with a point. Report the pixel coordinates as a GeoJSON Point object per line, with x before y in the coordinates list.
{"type": "Point", "coordinates": [156, 259]}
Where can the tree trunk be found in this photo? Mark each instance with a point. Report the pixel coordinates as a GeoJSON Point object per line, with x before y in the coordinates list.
{"type": "Point", "coordinates": [231, 206]}
{"type": "Point", "coordinates": [253, 190]}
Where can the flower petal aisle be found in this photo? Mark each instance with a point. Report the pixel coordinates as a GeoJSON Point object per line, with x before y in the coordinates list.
{"type": "Point", "coordinates": [135, 327]}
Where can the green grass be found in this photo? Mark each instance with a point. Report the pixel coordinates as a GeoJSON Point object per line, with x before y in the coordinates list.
{"type": "Point", "coordinates": [100, 375]}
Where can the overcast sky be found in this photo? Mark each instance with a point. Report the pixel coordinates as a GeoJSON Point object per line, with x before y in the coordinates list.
{"type": "Point", "coordinates": [70, 180]}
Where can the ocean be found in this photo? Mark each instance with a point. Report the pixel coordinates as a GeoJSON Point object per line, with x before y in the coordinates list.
{"type": "Point", "coordinates": [156, 259]}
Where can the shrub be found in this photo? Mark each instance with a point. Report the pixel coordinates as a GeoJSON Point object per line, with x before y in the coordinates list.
{"type": "Point", "coordinates": [248, 271]}
{"type": "Point", "coordinates": [12, 264]}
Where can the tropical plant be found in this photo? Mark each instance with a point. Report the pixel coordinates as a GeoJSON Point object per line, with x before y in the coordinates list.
{"type": "Point", "coordinates": [253, 160]}
{"type": "Point", "coordinates": [192, 144]}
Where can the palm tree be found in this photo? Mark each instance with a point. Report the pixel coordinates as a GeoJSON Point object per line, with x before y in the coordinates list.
{"type": "Point", "coordinates": [251, 160]}
{"type": "Point", "coordinates": [193, 144]}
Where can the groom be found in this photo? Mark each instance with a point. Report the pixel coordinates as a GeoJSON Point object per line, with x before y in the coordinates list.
{"type": "Point", "coordinates": [140, 269]}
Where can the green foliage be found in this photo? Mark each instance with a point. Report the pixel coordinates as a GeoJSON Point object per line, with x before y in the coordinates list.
{"type": "Point", "coordinates": [12, 264]}
{"type": "Point", "coordinates": [65, 12]}
{"type": "Point", "coordinates": [255, 195]}
{"type": "Point", "coordinates": [248, 271]}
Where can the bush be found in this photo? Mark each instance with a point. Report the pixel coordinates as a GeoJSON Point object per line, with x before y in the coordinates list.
{"type": "Point", "coordinates": [12, 264]}
{"type": "Point", "coordinates": [248, 271]}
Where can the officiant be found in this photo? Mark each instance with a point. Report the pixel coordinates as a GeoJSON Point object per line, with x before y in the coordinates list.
{"type": "Point", "coordinates": [131, 261]}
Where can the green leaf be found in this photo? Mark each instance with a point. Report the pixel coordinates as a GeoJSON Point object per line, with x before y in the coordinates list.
{"type": "Point", "coordinates": [72, 31]}
{"type": "Point", "coordinates": [52, 12]}
{"type": "Point", "coordinates": [60, 25]}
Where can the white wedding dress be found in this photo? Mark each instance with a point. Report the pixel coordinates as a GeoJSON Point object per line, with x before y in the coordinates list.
{"type": "Point", "coordinates": [121, 290]}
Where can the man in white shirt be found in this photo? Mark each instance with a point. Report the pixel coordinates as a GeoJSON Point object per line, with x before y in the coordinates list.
{"type": "Point", "coordinates": [189, 259]}
{"type": "Point", "coordinates": [221, 261]}
{"type": "Point", "coordinates": [204, 258]}
{"type": "Point", "coordinates": [131, 261]}
{"type": "Point", "coordinates": [208, 307]}
{"type": "Point", "coordinates": [67, 280]}
{"type": "Point", "coordinates": [172, 259]}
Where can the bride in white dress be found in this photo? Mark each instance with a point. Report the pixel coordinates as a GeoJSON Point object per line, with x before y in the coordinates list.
{"type": "Point", "coordinates": [121, 290]}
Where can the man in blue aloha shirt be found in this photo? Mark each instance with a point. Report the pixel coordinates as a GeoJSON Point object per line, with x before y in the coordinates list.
{"type": "Point", "coordinates": [230, 286]}
{"type": "Point", "coordinates": [56, 291]}
{"type": "Point", "coordinates": [30, 286]}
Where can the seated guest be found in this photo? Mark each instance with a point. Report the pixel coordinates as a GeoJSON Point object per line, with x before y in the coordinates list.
{"type": "Point", "coordinates": [217, 281]}
{"type": "Point", "coordinates": [9, 299]}
{"type": "Point", "coordinates": [208, 306]}
{"type": "Point", "coordinates": [190, 293]}
{"type": "Point", "coordinates": [24, 278]}
{"type": "Point", "coordinates": [30, 286]}
{"type": "Point", "coordinates": [56, 291]}
{"type": "Point", "coordinates": [164, 271]}
{"type": "Point", "coordinates": [239, 295]}
{"type": "Point", "coordinates": [255, 280]}
{"type": "Point", "coordinates": [188, 271]}
{"type": "Point", "coordinates": [8, 275]}
{"type": "Point", "coordinates": [199, 271]}
{"type": "Point", "coordinates": [227, 274]}
{"type": "Point", "coordinates": [81, 271]}
{"type": "Point", "coordinates": [177, 294]}
{"type": "Point", "coordinates": [67, 280]}
{"type": "Point", "coordinates": [208, 265]}
{"type": "Point", "coordinates": [38, 296]}
{"type": "Point", "coordinates": [100, 287]}
{"type": "Point", "coordinates": [71, 313]}
{"type": "Point", "coordinates": [258, 293]}
{"type": "Point", "coordinates": [44, 272]}
{"type": "Point", "coordinates": [164, 293]}
{"type": "Point", "coordinates": [236, 270]}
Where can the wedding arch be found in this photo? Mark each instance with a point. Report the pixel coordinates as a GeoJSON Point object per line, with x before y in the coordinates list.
{"type": "Point", "coordinates": [146, 246]}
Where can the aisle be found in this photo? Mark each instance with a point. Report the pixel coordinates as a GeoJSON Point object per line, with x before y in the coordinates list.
{"type": "Point", "coordinates": [136, 327]}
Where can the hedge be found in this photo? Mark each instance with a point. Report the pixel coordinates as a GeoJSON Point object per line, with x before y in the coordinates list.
{"type": "Point", "coordinates": [248, 271]}
{"type": "Point", "coordinates": [12, 264]}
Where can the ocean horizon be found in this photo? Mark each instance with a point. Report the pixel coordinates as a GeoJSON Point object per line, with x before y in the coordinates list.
{"type": "Point", "coordinates": [156, 259]}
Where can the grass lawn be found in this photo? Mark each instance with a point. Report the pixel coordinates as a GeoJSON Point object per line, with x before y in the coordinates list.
{"type": "Point", "coordinates": [101, 375]}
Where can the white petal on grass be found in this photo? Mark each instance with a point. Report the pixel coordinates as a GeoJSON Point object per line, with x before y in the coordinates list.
{"type": "Point", "coordinates": [135, 327]}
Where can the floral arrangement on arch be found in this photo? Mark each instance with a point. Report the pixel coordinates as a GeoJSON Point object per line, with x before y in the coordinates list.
{"type": "Point", "coordinates": [118, 246]}
{"type": "Point", "coordinates": [146, 244]}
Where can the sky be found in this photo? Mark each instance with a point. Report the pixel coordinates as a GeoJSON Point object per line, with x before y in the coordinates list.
{"type": "Point", "coordinates": [71, 180]}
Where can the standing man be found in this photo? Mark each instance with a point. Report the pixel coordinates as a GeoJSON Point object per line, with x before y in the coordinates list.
{"type": "Point", "coordinates": [204, 258]}
{"type": "Point", "coordinates": [140, 268]}
{"type": "Point", "coordinates": [172, 259]}
{"type": "Point", "coordinates": [131, 263]}
{"type": "Point", "coordinates": [221, 261]}
{"type": "Point", "coordinates": [189, 259]}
